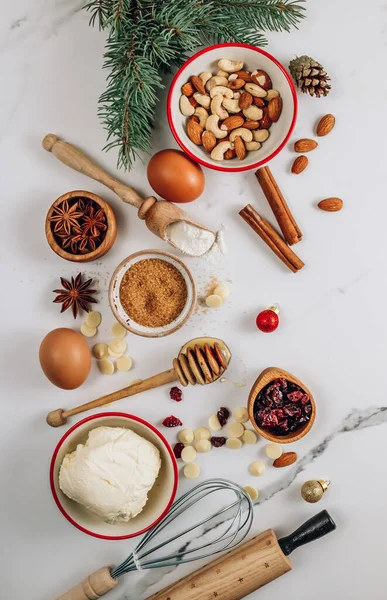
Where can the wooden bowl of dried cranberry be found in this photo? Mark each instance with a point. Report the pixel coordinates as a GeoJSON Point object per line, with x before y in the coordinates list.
{"type": "Point", "coordinates": [281, 408]}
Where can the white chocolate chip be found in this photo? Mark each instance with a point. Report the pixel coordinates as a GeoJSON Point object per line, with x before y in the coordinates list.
{"type": "Point", "coordinates": [203, 446]}
{"type": "Point", "coordinates": [233, 443]}
{"type": "Point", "coordinates": [185, 436]}
{"type": "Point", "coordinates": [236, 430]}
{"type": "Point", "coordinates": [257, 468]}
{"type": "Point", "coordinates": [93, 319]}
{"type": "Point", "coordinates": [252, 492]}
{"type": "Point", "coordinates": [118, 346]}
{"type": "Point", "coordinates": [249, 436]}
{"type": "Point", "coordinates": [223, 291]}
{"type": "Point", "coordinates": [88, 331]}
{"type": "Point", "coordinates": [106, 366]}
{"type": "Point", "coordinates": [214, 301]}
{"type": "Point", "coordinates": [119, 330]}
{"type": "Point", "coordinates": [188, 454]}
{"type": "Point", "coordinates": [100, 351]}
{"type": "Point", "coordinates": [273, 451]}
{"type": "Point", "coordinates": [213, 423]}
{"type": "Point", "coordinates": [202, 433]}
{"type": "Point", "coordinates": [124, 363]}
{"type": "Point", "coordinates": [241, 415]}
{"type": "Point", "coordinates": [191, 471]}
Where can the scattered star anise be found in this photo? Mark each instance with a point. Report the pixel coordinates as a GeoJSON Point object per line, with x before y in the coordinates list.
{"type": "Point", "coordinates": [75, 295]}
{"type": "Point", "coordinates": [94, 222]}
{"type": "Point", "coordinates": [65, 217]}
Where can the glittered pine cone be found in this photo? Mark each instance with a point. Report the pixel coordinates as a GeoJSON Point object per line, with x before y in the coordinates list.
{"type": "Point", "coordinates": [310, 76]}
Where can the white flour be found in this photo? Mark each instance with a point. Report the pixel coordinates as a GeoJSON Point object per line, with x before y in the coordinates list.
{"type": "Point", "coordinates": [195, 241]}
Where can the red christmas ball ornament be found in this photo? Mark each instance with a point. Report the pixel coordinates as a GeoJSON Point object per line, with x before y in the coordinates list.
{"type": "Point", "coordinates": [268, 320]}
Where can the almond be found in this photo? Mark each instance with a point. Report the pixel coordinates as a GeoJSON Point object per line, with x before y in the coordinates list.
{"type": "Point", "coordinates": [198, 84]}
{"type": "Point", "coordinates": [265, 122]}
{"type": "Point", "coordinates": [251, 125]}
{"type": "Point", "coordinates": [188, 89]}
{"type": "Point", "coordinates": [304, 145]}
{"type": "Point", "coordinates": [245, 100]}
{"type": "Point", "coordinates": [300, 164]}
{"type": "Point", "coordinates": [193, 101]}
{"type": "Point", "coordinates": [194, 132]}
{"type": "Point", "coordinates": [331, 204]}
{"type": "Point", "coordinates": [286, 459]}
{"type": "Point", "coordinates": [262, 78]}
{"type": "Point", "coordinates": [325, 125]}
{"type": "Point", "coordinates": [229, 154]}
{"type": "Point", "coordinates": [245, 75]}
{"type": "Point", "coordinates": [240, 148]}
{"type": "Point", "coordinates": [236, 84]}
{"type": "Point", "coordinates": [209, 141]}
{"type": "Point", "coordinates": [259, 102]}
{"type": "Point", "coordinates": [274, 109]}
{"type": "Point", "coordinates": [232, 123]}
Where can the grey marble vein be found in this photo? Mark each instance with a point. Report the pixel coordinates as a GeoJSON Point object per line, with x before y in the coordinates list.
{"type": "Point", "coordinates": [355, 420]}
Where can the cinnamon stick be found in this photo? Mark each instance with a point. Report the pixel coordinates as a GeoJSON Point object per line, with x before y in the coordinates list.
{"type": "Point", "coordinates": [285, 219]}
{"type": "Point", "coordinates": [271, 238]}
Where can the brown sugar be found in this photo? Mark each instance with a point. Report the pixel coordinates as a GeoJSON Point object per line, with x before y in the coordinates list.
{"type": "Point", "coordinates": [153, 292]}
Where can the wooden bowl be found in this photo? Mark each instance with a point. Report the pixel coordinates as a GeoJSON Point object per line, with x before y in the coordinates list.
{"type": "Point", "coordinates": [118, 310]}
{"type": "Point", "coordinates": [263, 379]}
{"type": "Point", "coordinates": [110, 236]}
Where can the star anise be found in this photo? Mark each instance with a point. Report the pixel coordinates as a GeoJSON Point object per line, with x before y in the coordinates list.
{"type": "Point", "coordinates": [94, 222]}
{"type": "Point", "coordinates": [75, 295]}
{"type": "Point", "coordinates": [65, 217]}
{"type": "Point", "coordinates": [86, 242]}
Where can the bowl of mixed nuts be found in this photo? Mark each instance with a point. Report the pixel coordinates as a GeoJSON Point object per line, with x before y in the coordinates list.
{"type": "Point", "coordinates": [232, 107]}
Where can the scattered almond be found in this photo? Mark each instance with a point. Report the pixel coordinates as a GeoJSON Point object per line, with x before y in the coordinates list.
{"type": "Point", "coordinates": [240, 148]}
{"type": "Point", "coordinates": [188, 89]}
{"type": "Point", "coordinates": [236, 84]}
{"type": "Point", "coordinates": [198, 84]}
{"type": "Point", "coordinates": [232, 122]}
{"type": "Point", "coordinates": [245, 100]}
{"type": "Point", "coordinates": [209, 140]}
{"type": "Point", "coordinates": [285, 460]}
{"type": "Point", "coordinates": [300, 164]}
{"type": "Point", "coordinates": [245, 75]}
{"type": "Point", "coordinates": [331, 204]}
{"type": "Point", "coordinates": [325, 125]}
{"type": "Point", "coordinates": [305, 145]}
{"type": "Point", "coordinates": [274, 109]}
{"type": "Point", "coordinates": [194, 132]}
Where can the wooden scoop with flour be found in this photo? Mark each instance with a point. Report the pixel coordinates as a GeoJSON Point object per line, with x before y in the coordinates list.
{"type": "Point", "coordinates": [157, 214]}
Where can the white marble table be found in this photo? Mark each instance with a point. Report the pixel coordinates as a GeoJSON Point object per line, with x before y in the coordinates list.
{"type": "Point", "coordinates": [332, 334]}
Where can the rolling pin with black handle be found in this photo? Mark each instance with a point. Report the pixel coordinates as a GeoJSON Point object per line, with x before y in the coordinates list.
{"type": "Point", "coordinates": [248, 567]}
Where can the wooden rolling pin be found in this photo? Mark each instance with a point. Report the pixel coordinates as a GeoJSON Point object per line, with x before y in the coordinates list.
{"type": "Point", "coordinates": [232, 576]}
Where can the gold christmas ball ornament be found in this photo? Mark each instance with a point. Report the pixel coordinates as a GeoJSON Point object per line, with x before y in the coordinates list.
{"type": "Point", "coordinates": [312, 491]}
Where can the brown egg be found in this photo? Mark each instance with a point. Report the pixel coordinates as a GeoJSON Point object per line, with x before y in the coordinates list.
{"type": "Point", "coordinates": [65, 358]}
{"type": "Point", "coordinates": [175, 177]}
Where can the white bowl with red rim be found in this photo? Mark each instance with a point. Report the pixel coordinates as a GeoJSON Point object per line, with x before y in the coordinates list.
{"type": "Point", "coordinates": [253, 58]}
{"type": "Point", "coordinates": [160, 497]}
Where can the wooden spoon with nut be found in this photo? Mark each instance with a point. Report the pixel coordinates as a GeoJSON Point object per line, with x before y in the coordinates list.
{"type": "Point", "coordinates": [157, 214]}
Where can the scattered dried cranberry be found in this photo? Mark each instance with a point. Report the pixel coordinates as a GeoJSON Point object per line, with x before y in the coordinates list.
{"type": "Point", "coordinates": [172, 422]}
{"type": "Point", "coordinates": [223, 415]}
{"type": "Point", "coordinates": [217, 442]}
{"type": "Point", "coordinates": [176, 394]}
{"type": "Point", "coordinates": [177, 449]}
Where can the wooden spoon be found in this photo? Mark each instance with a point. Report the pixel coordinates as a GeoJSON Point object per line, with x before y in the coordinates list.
{"type": "Point", "coordinates": [157, 214]}
{"type": "Point", "coordinates": [263, 379]}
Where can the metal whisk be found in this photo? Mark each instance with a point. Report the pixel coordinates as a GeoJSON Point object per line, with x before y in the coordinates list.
{"type": "Point", "coordinates": [223, 529]}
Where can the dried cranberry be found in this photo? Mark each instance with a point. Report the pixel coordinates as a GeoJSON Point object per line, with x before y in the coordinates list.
{"type": "Point", "coordinates": [307, 408]}
{"type": "Point", "coordinates": [295, 396]}
{"type": "Point", "coordinates": [217, 442]}
{"type": "Point", "coordinates": [271, 418]}
{"type": "Point", "coordinates": [276, 395]}
{"type": "Point", "coordinates": [223, 415]}
{"type": "Point", "coordinates": [292, 410]}
{"type": "Point", "coordinates": [177, 449]}
{"type": "Point", "coordinates": [267, 401]}
{"type": "Point", "coordinates": [283, 384]}
{"type": "Point", "coordinates": [304, 399]}
{"type": "Point", "coordinates": [283, 427]}
{"type": "Point", "coordinates": [176, 394]}
{"type": "Point", "coordinates": [172, 422]}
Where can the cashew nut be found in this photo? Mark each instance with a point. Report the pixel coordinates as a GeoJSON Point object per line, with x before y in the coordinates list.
{"type": "Point", "coordinates": [237, 95]}
{"type": "Point", "coordinates": [216, 80]}
{"type": "Point", "coordinates": [231, 105]}
{"type": "Point", "coordinates": [202, 99]}
{"type": "Point", "coordinates": [216, 107]}
{"type": "Point", "coordinates": [233, 76]}
{"type": "Point", "coordinates": [230, 66]}
{"type": "Point", "coordinates": [222, 74]}
{"type": "Point", "coordinates": [202, 114]}
{"type": "Point", "coordinates": [252, 145]}
{"type": "Point", "coordinates": [222, 90]}
{"type": "Point", "coordinates": [253, 113]}
{"type": "Point", "coordinates": [205, 76]}
{"type": "Point", "coordinates": [186, 107]}
{"type": "Point", "coordinates": [244, 133]}
{"type": "Point", "coordinates": [272, 94]}
{"type": "Point", "coordinates": [260, 135]}
{"type": "Point", "coordinates": [212, 125]}
{"type": "Point", "coordinates": [255, 90]}
{"type": "Point", "coordinates": [220, 149]}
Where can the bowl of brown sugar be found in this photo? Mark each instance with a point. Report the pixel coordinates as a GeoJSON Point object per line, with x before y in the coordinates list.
{"type": "Point", "coordinates": [152, 293]}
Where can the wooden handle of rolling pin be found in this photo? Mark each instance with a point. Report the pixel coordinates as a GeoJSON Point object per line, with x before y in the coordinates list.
{"type": "Point", "coordinates": [59, 417]}
{"type": "Point", "coordinates": [75, 159]}
{"type": "Point", "coordinates": [96, 585]}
